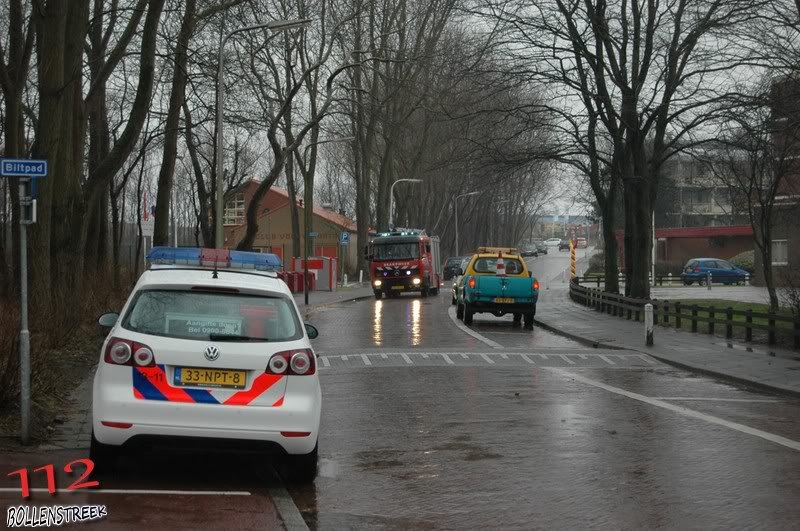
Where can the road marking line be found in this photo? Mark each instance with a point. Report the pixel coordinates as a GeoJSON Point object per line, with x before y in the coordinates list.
{"type": "Point", "coordinates": [647, 359]}
{"type": "Point", "coordinates": [565, 358]}
{"type": "Point", "coordinates": [777, 439]}
{"type": "Point", "coordinates": [384, 356]}
{"type": "Point", "coordinates": [487, 358]}
{"type": "Point", "coordinates": [405, 357]}
{"type": "Point", "coordinates": [504, 356]}
{"type": "Point", "coordinates": [344, 358]}
{"type": "Point", "coordinates": [583, 356]}
{"type": "Point", "coordinates": [607, 360]}
{"type": "Point", "coordinates": [325, 361]}
{"type": "Point", "coordinates": [452, 313]}
{"type": "Point", "coordinates": [526, 358]}
{"type": "Point", "coordinates": [447, 359]}
{"type": "Point", "coordinates": [287, 510]}
{"type": "Point", "coordinates": [463, 355]}
{"type": "Point", "coordinates": [366, 359]}
{"type": "Point", "coordinates": [544, 357]}
{"type": "Point", "coordinates": [425, 355]}
{"type": "Point", "coordinates": [712, 399]}
{"type": "Point", "coordinates": [144, 491]}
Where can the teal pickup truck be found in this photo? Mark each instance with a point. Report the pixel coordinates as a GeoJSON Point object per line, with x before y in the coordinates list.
{"type": "Point", "coordinates": [484, 291]}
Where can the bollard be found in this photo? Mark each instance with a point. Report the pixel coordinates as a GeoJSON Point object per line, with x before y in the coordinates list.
{"type": "Point", "coordinates": [344, 280]}
{"type": "Point", "coordinates": [648, 324]}
{"type": "Point", "coordinates": [708, 280]}
{"type": "Point", "coordinates": [361, 276]}
{"type": "Point", "coordinates": [747, 280]}
{"type": "Point", "coordinates": [669, 279]}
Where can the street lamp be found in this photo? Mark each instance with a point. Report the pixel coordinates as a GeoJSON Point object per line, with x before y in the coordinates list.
{"type": "Point", "coordinates": [308, 208]}
{"type": "Point", "coordinates": [276, 26]}
{"type": "Point", "coordinates": [456, 205]}
{"type": "Point", "coordinates": [391, 198]}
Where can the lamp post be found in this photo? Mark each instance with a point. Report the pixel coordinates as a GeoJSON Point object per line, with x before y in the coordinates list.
{"type": "Point", "coordinates": [456, 205]}
{"type": "Point", "coordinates": [308, 209]}
{"type": "Point", "coordinates": [391, 198]}
{"type": "Point", "coordinates": [276, 26]}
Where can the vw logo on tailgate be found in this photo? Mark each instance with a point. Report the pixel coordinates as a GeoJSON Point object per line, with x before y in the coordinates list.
{"type": "Point", "coordinates": [212, 353]}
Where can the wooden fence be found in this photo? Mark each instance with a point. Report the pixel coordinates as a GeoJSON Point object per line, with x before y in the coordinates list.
{"type": "Point", "coordinates": [668, 313]}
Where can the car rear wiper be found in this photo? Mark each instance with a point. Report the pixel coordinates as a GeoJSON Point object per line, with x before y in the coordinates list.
{"type": "Point", "coordinates": [234, 337]}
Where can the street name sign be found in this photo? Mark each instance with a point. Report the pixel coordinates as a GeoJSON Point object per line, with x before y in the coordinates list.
{"type": "Point", "coordinates": [23, 168]}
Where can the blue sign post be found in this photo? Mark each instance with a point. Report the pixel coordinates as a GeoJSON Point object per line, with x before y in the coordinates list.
{"type": "Point", "coordinates": [344, 238]}
{"type": "Point", "coordinates": [27, 170]}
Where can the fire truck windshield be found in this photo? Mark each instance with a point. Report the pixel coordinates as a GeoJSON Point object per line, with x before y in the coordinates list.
{"type": "Point", "coordinates": [396, 251]}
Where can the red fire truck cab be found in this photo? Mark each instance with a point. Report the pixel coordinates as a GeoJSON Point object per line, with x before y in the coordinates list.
{"type": "Point", "coordinates": [404, 260]}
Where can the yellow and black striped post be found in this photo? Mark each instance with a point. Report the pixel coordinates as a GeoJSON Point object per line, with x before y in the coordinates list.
{"type": "Point", "coordinates": [573, 259]}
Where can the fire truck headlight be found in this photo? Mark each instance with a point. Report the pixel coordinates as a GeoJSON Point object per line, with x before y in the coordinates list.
{"type": "Point", "coordinates": [377, 283]}
{"type": "Point", "coordinates": [408, 272]}
{"type": "Point", "coordinates": [416, 281]}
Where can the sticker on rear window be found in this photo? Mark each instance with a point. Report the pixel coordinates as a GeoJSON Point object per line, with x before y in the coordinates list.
{"type": "Point", "coordinates": [192, 325]}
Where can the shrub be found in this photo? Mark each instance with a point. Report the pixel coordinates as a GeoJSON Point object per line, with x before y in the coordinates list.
{"type": "Point", "coordinates": [596, 264]}
{"type": "Point", "coordinates": [744, 261]}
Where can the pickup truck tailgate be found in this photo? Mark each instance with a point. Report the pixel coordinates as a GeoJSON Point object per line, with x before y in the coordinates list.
{"type": "Point", "coordinates": [490, 287]}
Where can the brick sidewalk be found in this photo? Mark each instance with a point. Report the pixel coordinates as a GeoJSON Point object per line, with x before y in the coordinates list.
{"type": "Point", "coordinates": [766, 367]}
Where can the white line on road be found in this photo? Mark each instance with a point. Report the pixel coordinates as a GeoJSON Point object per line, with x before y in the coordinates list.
{"type": "Point", "coordinates": [447, 359]}
{"type": "Point", "coordinates": [424, 355]}
{"type": "Point", "coordinates": [384, 356]}
{"type": "Point", "coordinates": [713, 399]}
{"type": "Point", "coordinates": [543, 356]}
{"type": "Point", "coordinates": [783, 441]}
{"type": "Point", "coordinates": [607, 360]}
{"type": "Point", "coordinates": [405, 357]}
{"type": "Point", "coordinates": [565, 358]}
{"type": "Point", "coordinates": [366, 359]}
{"type": "Point", "coordinates": [144, 491]}
{"type": "Point", "coordinates": [464, 355]}
{"type": "Point", "coordinates": [452, 313]}
{"type": "Point", "coordinates": [647, 359]}
{"type": "Point", "coordinates": [526, 358]}
{"type": "Point", "coordinates": [504, 356]}
{"type": "Point", "coordinates": [325, 361]}
{"type": "Point", "coordinates": [344, 358]}
{"type": "Point", "coordinates": [487, 358]}
{"type": "Point", "coordinates": [582, 356]}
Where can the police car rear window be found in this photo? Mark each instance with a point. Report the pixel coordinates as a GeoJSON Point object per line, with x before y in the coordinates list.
{"type": "Point", "coordinates": [198, 315]}
{"type": "Point", "coordinates": [489, 265]}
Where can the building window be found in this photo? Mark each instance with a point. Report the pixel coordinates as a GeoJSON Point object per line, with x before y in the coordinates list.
{"type": "Point", "coordinates": [234, 211]}
{"type": "Point", "coordinates": [780, 252]}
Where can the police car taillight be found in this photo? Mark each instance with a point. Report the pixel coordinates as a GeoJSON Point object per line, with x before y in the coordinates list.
{"type": "Point", "coordinates": [298, 362]}
{"type": "Point", "coordinates": [124, 352]}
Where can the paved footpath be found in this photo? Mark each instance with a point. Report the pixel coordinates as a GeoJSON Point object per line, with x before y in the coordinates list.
{"type": "Point", "coordinates": [352, 292]}
{"type": "Point", "coordinates": [759, 365]}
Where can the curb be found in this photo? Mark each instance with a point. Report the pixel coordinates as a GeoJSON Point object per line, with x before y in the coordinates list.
{"type": "Point", "coordinates": [324, 304]}
{"type": "Point", "coordinates": [774, 389]}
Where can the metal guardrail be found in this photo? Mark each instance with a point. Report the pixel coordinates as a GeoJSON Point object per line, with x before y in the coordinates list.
{"type": "Point", "coordinates": [661, 280]}
{"type": "Point", "coordinates": [666, 312]}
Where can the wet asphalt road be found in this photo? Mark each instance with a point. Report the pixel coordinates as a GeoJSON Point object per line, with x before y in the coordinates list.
{"type": "Point", "coordinates": [425, 426]}
{"type": "Point", "coordinates": [428, 424]}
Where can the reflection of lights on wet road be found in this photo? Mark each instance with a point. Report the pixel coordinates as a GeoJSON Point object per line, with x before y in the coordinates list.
{"type": "Point", "coordinates": [416, 313]}
{"type": "Point", "coordinates": [377, 325]}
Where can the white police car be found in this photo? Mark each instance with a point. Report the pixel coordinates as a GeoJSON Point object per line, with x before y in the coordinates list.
{"type": "Point", "coordinates": [208, 349]}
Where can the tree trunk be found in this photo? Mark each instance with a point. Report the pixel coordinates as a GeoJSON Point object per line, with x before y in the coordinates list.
{"type": "Point", "coordinates": [171, 128]}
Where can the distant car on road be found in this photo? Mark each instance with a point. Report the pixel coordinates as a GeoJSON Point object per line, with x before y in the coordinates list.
{"type": "Point", "coordinates": [209, 351]}
{"type": "Point", "coordinates": [722, 272]}
{"type": "Point", "coordinates": [563, 245]}
{"type": "Point", "coordinates": [582, 243]}
{"type": "Point", "coordinates": [552, 242]}
{"type": "Point", "coordinates": [528, 250]}
{"type": "Point", "coordinates": [541, 246]}
{"type": "Point", "coordinates": [451, 266]}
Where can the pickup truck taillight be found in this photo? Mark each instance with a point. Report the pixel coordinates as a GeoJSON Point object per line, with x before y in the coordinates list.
{"type": "Point", "coordinates": [471, 282]}
{"type": "Point", "coordinates": [536, 285]}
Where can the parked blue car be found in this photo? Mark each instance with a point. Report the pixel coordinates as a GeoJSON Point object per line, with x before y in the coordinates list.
{"type": "Point", "coordinates": [722, 272]}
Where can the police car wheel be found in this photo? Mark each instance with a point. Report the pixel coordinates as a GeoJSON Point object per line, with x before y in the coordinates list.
{"type": "Point", "coordinates": [301, 468]}
{"type": "Point", "coordinates": [103, 456]}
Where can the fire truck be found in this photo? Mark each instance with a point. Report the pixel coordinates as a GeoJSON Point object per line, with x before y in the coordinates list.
{"type": "Point", "coordinates": [404, 260]}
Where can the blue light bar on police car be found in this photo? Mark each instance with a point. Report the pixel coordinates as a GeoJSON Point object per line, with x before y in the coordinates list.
{"type": "Point", "coordinates": [216, 258]}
